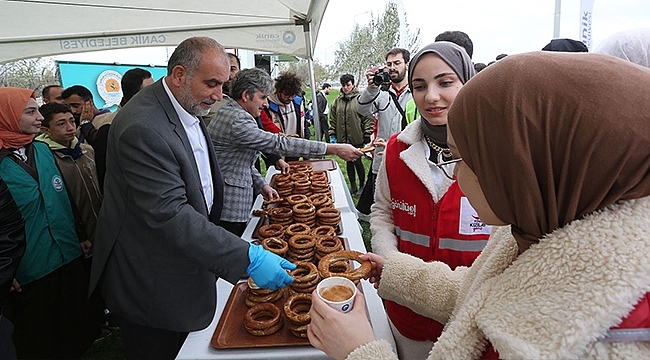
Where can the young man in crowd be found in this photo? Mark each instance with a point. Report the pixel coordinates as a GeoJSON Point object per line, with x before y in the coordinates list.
{"type": "Point", "coordinates": [387, 101]}
{"type": "Point", "coordinates": [347, 126]}
{"type": "Point", "coordinates": [52, 94]}
{"type": "Point", "coordinates": [81, 103]}
{"type": "Point", "coordinates": [76, 161]}
{"type": "Point", "coordinates": [323, 110]}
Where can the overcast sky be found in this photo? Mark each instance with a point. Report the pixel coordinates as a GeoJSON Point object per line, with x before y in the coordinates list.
{"type": "Point", "coordinates": [495, 27]}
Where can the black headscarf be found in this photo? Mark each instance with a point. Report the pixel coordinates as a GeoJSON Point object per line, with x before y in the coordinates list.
{"type": "Point", "coordinates": [565, 45]}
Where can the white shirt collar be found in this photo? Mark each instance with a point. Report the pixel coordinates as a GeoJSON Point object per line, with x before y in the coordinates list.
{"type": "Point", "coordinates": [187, 119]}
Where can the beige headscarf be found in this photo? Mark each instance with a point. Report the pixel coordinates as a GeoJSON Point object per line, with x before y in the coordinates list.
{"type": "Point", "coordinates": [552, 137]}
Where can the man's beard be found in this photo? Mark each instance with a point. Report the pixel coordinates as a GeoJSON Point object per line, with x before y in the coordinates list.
{"type": "Point", "coordinates": [190, 104]}
{"type": "Point", "coordinates": [399, 78]}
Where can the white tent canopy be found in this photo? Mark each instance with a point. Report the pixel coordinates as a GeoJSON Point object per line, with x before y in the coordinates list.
{"type": "Point", "coordinates": [34, 28]}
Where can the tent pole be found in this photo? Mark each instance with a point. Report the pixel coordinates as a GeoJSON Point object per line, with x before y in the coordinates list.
{"type": "Point", "coordinates": [314, 103]}
{"type": "Point", "coordinates": [312, 78]}
{"type": "Point", "coordinates": [556, 19]}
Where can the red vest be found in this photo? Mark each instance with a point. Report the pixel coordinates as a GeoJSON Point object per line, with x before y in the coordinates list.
{"type": "Point", "coordinates": [448, 231]}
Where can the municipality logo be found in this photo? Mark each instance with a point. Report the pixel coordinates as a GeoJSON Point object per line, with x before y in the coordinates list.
{"type": "Point", "coordinates": [289, 37]}
{"type": "Point", "coordinates": [57, 183]}
{"type": "Point", "coordinates": [109, 87]}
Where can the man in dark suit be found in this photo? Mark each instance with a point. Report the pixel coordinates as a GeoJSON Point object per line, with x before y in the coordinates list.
{"type": "Point", "coordinates": [158, 244]}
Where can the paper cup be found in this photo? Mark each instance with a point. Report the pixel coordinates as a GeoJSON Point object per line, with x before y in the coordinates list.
{"type": "Point", "coordinates": [337, 292]}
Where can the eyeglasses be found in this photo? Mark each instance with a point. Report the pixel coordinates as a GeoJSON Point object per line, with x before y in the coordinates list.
{"type": "Point", "coordinates": [442, 164]}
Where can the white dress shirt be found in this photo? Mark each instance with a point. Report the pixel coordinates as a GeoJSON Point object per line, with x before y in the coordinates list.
{"type": "Point", "coordinates": [199, 147]}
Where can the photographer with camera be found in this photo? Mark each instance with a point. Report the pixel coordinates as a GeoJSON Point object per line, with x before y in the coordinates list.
{"type": "Point", "coordinates": [386, 96]}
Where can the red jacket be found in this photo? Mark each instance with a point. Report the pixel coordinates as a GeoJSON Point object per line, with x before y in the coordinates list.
{"type": "Point", "coordinates": [449, 231]}
{"type": "Point", "coordinates": [267, 123]}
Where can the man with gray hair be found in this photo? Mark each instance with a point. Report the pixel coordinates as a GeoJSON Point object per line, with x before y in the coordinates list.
{"type": "Point", "coordinates": [158, 244]}
{"type": "Point", "coordinates": [238, 141]}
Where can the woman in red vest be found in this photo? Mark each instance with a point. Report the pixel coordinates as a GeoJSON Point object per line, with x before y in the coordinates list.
{"type": "Point", "coordinates": [419, 208]}
{"type": "Point", "coordinates": [554, 145]}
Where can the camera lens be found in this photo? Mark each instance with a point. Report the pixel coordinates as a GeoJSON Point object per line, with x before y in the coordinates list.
{"type": "Point", "coordinates": [378, 79]}
{"type": "Point", "coordinates": [381, 78]}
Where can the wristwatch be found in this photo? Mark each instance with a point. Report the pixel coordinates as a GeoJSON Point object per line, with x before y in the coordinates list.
{"type": "Point", "coordinates": [84, 122]}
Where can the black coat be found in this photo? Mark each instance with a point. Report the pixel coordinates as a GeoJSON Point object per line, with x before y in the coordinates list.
{"type": "Point", "coordinates": [12, 240]}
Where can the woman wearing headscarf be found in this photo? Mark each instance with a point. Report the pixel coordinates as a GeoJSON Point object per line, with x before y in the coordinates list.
{"type": "Point", "coordinates": [559, 152]}
{"type": "Point", "coordinates": [419, 208]}
{"type": "Point", "coordinates": [631, 45]}
{"type": "Point", "coordinates": [49, 306]}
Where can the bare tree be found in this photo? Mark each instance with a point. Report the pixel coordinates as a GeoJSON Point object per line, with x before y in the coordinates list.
{"type": "Point", "coordinates": [32, 73]}
{"type": "Point", "coordinates": [301, 68]}
{"type": "Point", "coordinates": [367, 45]}
{"type": "Point", "coordinates": [354, 54]}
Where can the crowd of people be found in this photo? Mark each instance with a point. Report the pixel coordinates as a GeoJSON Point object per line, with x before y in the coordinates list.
{"type": "Point", "coordinates": [509, 218]}
{"type": "Point", "coordinates": [563, 274]}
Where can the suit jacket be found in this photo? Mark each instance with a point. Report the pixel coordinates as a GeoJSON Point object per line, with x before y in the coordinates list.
{"type": "Point", "coordinates": [157, 250]}
{"type": "Point", "coordinates": [237, 141]}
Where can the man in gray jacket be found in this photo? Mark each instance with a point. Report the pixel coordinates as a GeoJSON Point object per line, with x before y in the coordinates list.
{"type": "Point", "coordinates": [238, 141]}
{"type": "Point", "coordinates": [388, 102]}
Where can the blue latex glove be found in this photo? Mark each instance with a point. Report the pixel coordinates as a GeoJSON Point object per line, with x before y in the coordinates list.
{"type": "Point", "coordinates": [332, 139]}
{"type": "Point", "coordinates": [267, 269]}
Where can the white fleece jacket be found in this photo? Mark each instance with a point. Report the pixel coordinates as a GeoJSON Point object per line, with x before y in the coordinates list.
{"type": "Point", "coordinates": [552, 302]}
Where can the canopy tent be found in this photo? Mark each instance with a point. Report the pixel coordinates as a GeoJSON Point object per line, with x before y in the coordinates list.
{"type": "Point", "coordinates": [34, 28]}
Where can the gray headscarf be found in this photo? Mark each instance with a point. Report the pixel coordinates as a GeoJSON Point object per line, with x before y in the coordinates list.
{"type": "Point", "coordinates": [455, 56]}
{"type": "Point", "coordinates": [631, 45]}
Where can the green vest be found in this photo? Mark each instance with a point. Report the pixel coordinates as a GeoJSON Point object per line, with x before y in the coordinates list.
{"type": "Point", "coordinates": [411, 111]}
{"type": "Point", "coordinates": [49, 224]}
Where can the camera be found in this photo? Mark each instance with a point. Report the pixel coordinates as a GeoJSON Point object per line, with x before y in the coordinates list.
{"type": "Point", "coordinates": [381, 77]}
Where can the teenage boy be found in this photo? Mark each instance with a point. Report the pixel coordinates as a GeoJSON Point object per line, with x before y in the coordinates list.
{"type": "Point", "coordinates": [76, 162]}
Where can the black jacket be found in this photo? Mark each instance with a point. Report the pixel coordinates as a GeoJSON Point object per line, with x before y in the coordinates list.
{"type": "Point", "coordinates": [322, 105]}
{"type": "Point", "coordinates": [12, 240]}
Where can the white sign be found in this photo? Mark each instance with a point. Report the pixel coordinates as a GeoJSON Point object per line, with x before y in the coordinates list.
{"type": "Point", "coordinates": [586, 16]}
{"type": "Point", "coordinates": [109, 87]}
